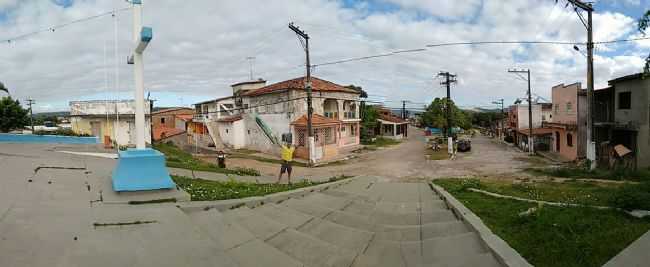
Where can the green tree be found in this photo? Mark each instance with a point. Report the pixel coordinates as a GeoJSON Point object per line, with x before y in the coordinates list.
{"type": "Point", "coordinates": [368, 121]}
{"type": "Point", "coordinates": [12, 115]}
{"type": "Point", "coordinates": [436, 115]}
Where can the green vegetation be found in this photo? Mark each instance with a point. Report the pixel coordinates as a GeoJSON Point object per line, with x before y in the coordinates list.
{"type": "Point", "coordinates": [551, 236]}
{"type": "Point", "coordinates": [380, 142]}
{"type": "Point", "coordinates": [632, 196]}
{"type": "Point", "coordinates": [246, 154]}
{"type": "Point", "coordinates": [579, 172]}
{"type": "Point", "coordinates": [177, 158]}
{"type": "Point", "coordinates": [207, 190]}
{"type": "Point", "coordinates": [435, 115]}
{"type": "Point", "coordinates": [369, 115]}
{"type": "Point", "coordinates": [12, 115]}
{"type": "Point", "coordinates": [534, 160]}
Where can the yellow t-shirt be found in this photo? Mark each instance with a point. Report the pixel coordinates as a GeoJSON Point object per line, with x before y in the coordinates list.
{"type": "Point", "coordinates": [287, 153]}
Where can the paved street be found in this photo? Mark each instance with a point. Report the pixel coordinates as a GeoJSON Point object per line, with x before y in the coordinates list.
{"type": "Point", "coordinates": [407, 161]}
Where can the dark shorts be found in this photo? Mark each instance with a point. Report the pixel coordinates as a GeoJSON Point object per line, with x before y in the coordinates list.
{"type": "Point", "coordinates": [286, 167]}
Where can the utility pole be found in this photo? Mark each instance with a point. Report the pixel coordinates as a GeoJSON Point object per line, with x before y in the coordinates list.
{"type": "Point", "coordinates": [310, 131]}
{"type": "Point", "coordinates": [500, 102]}
{"type": "Point", "coordinates": [591, 145]}
{"type": "Point", "coordinates": [449, 79]}
{"type": "Point", "coordinates": [531, 148]}
{"type": "Point", "coordinates": [404, 108]}
{"type": "Point", "coordinates": [31, 102]}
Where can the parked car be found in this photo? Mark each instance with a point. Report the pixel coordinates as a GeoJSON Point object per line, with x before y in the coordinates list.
{"type": "Point", "coordinates": [464, 145]}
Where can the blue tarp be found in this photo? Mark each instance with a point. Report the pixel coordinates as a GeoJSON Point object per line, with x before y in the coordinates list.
{"type": "Point", "coordinates": [46, 139]}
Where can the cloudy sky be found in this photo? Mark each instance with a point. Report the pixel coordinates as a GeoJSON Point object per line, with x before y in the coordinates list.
{"type": "Point", "coordinates": [200, 47]}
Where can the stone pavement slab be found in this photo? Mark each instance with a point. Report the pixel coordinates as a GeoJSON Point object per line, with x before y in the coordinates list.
{"type": "Point", "coordinates": [311, 251]}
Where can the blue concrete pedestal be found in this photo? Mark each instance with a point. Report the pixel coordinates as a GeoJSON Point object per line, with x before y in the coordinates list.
{"type": "Point", "coordinates": [141, 169]}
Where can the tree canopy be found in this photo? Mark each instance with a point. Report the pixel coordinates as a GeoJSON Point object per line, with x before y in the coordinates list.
{"type": "Point", "coordinates": [435, 115]}
{"type": "Point", "coordinates": [12, 115]}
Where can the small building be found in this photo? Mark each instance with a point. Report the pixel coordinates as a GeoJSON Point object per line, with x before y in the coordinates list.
{"type": "Point", "coordinates": [391, 126]}
{"type": "Point", "coordinates": [113, 121]}
{"type": "Point", "coordinates": [518, 123]}
{"type": "Point", "coordinates": [170, 122]}
{"type": "Point", "coordinates": [622, 117]}
{"type": "Point", "coordinates": [570, 108]}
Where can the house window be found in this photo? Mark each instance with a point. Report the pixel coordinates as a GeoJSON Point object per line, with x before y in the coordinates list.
{"type": "Point", "coordinates": [226, 130]}
{"type": "Point", "coordinates": [162, 120]}
{"type": "Point", "coordinates": [557, 108]}
{"type": "Point", "coordinates": [569, 139]}
{"type": "Point", "coordinates": [569, 107]}
{"type": "Point", "coordinates": [625, 100]}
{"type": "Point", "coordinates": [353, 130]}
{"type": "Point", "coordinates": [343, 128]}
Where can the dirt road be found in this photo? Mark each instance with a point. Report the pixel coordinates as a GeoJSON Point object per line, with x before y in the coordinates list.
{"type": "Point", "coordinates": [407, 161]}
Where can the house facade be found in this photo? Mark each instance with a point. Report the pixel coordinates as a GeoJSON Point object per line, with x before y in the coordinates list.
{"type": "Point", "coordinates": [622, 118]}
{"type": "Point", "coordinates": [113, 121]}
{"type": "Point", "coordinates": [170, 122]}
{"type": "Point", "coordinates": [390, 126]}
{"type": "Point", "coordinates": [518, 125]}
{"type": "Point", "coordinates": [263, 116]}
{"type": "Point", "coordinates": [570, 106]}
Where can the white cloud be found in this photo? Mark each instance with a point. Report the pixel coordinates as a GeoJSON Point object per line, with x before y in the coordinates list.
{"type": "Point", "coordinates": [201, 48]}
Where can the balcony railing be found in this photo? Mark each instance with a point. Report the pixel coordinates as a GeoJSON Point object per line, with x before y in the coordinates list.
{"type": "Point", "coordinates": [349, 115]}
{"type": "Point", "coordinates": [331, 114]}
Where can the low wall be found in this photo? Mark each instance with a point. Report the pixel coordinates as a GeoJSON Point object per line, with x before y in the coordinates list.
{"type": "Point", "coordinates": [46, 139]}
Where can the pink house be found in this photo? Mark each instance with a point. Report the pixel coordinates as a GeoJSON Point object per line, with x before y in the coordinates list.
{"type": "Point", "coordinates": [569, 109]}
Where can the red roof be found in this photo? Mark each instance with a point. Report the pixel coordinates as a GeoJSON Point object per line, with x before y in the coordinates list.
{"type": "Point", "coordinates": [185, 117]}
{"type": "Point", "coordinates": [392, 118]}
{"type": "Point", "coordinates": [230, 119]}
{"type": "Point", "coordinates": [164, 132]}
{"type": "Point", "coordinates": [162, 111]}
{"type": "Point", "coordinates": [299, 84]}
{"type": "Point", "coordinates": [318, 120]}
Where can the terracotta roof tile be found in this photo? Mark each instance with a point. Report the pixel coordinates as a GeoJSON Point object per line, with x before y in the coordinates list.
{"type": "Point", "coordinates": [185, 117]}
{"type": "Point", "coordinates": [317, 84]}
{"type": "Point", "coordinates": [391, 118]}
{"type": "Point", "coordinates": [316, 119]}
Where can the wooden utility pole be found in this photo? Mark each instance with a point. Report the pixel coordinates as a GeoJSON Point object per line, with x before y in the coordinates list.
{"type": "Point", "coordinates": [500, 102]}
{"type": "Point", "coordinates": [531, 143]}
{"type": "Point", "coordinates": [591, 146]}
{"type": "Point", "coordinates": [404, 108]}
{"type": "Point", "coordinates": [310, 131]}
{"type": "Point", "coordinates": [449, 79]}
{"type": "Point", "coordinates": [31, 102]}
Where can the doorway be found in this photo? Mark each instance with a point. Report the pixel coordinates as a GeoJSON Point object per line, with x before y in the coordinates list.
{"type": "Point", "coordinates": [557, 141]}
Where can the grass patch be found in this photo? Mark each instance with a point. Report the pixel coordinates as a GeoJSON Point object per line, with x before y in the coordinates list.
{"type": "Point", "coordinates": [577, 172]}
{"type": "Point", "coordinates": [207, 190]}
{"type": "Point", "coordinates": [553, 236]}
{"type": "Point", "coordinates": [380, 142]}
{"type": "Point", "coordinates": [246, 155]}
{"type": "Point", "coordinates": [177, 158]}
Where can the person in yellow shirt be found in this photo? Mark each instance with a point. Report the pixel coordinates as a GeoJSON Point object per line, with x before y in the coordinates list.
{"type": "Point", "coordinates": [287, 158]}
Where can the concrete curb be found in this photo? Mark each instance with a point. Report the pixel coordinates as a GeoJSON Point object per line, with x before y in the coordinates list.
{"type": "Point", "coordinates": [499, 248]}
{"type": "Point", "coordinates": [252, 202]}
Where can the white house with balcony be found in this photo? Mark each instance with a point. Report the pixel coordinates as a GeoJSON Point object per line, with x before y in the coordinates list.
{"type": "Point", "coordinates": [267, 115]}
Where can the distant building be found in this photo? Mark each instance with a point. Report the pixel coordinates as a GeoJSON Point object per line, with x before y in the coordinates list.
{"type": "Point", "coordinates": [391, 126]}
{"type": "Point", "coordinates": [113, 121]}
{"type": "Point", "coordinates": [518, 123]}
{"type": "Point", "coordinates": [170, 122]}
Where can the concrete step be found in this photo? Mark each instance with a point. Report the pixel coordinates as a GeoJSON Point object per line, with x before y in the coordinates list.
{"type": "Point", "coordinates": [339, 192]}
{"type": "Point", "coordinates": [212, 222]}
{"type": "Point", "coordinates": [381, 254]}
{"type": "Point", "coordinates": [311, 251]}
{"type": "Point", "coordinates": [260, 226]}
{"type": "Point", "coordinates": [256, 253]}
{"type": "Point", "coordinates": [443, 251]}
{"type": "Point", "coordinates": [385, 218]}
{"type": "Point", "coordinates": [327, 201]}
{"type": "Point", "coordinates": [425, 231]}
{"type": "Point", "coordinates": [339, 235]}
{"type": "Point", "coordinates": [473, 260]}
{"type": "Point", "coordinates": [283, 214]}
{"type": "Point", "coordinates": [299, 205]}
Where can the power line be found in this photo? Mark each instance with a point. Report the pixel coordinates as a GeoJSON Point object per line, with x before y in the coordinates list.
{"type": "Point", "coordinates": [60, 26]}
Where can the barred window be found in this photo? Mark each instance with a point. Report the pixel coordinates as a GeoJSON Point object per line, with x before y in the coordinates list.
{"type": "Point", "coordinates": [301, 134]}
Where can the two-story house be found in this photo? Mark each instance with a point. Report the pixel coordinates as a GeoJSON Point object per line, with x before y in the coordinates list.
{"type": "Point", "coordinates": [264, 116]}
{"type": "Point", "coordinates": [622, 117]}
{"type": "Point", "coordinates": [518, 124]}
{"type": "Point", "coordinates": [569, 120]}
